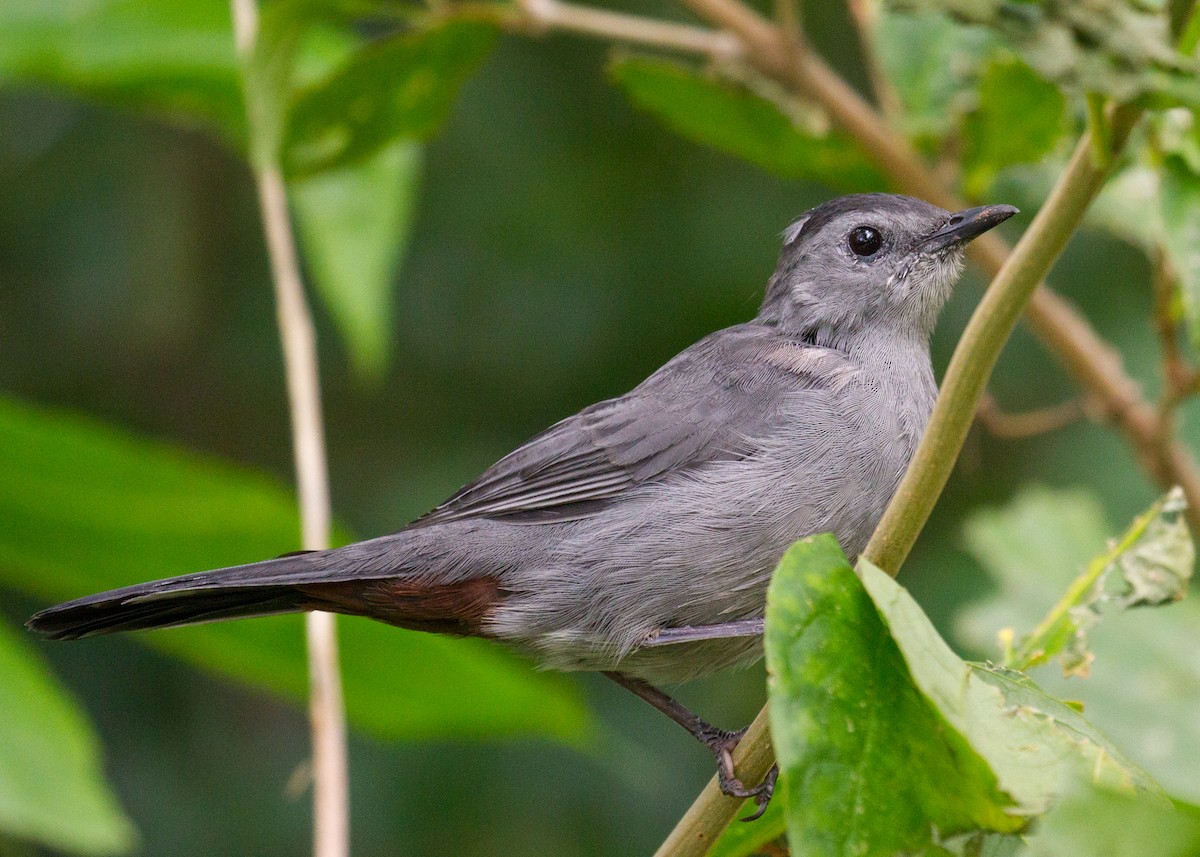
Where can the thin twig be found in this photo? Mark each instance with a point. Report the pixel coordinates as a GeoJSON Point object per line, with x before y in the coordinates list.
{"type": "Point", "coordinates": [1002, 424]}
{"type": "Point", "coordinates": [1179, 375]}
{"type": "Point", "coordinates": [331, 825]}
{"type": "Point", "coordinates": [633, 29]}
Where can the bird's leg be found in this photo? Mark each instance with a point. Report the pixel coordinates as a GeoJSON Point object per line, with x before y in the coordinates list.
{"type": "Point", "coordinates": [720, 741]}
{"type": "Point", "coordinates": [693, 633]}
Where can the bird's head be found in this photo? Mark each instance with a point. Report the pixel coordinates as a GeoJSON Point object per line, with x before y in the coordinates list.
{"type": "Point", "coordinates": [869, 261]}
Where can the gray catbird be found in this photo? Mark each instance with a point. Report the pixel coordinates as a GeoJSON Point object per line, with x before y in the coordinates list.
{"type": "Point", "coordinates": [654, 518]}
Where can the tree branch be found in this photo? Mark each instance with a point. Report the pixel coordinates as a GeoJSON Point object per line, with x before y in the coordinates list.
{"type": "Point", "coordinates": [999, 423]}
{"type": "Point", "coordinates": [634, 29]}
{"type": "Point", "coordinates": [331, 824]}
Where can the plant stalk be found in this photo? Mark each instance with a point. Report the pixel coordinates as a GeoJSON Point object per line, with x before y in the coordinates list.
{"type": "Point", "coordinates": [327, 718]}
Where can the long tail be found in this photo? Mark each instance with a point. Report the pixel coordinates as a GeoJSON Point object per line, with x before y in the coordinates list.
{"type": "Point", "coordinates": [361, 579]}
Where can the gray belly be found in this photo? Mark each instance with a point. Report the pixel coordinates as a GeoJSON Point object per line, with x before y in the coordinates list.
{"type": "Point", "coordinates": [694, 550]}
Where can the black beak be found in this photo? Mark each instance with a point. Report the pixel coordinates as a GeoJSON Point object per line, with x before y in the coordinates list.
{"type": "Point", "coordinates": [968, 224]}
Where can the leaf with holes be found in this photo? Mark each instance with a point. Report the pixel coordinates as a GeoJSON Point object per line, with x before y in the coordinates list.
{"type": "Point", "coordinates": [1144, 681]}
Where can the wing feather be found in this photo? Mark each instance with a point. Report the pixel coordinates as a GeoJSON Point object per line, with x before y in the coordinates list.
{"type": "Point", "coordinates": [706, 405]}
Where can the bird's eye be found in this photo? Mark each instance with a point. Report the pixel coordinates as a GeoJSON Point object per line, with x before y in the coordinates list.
{"type": "Point", "coordinates": [865, 241]}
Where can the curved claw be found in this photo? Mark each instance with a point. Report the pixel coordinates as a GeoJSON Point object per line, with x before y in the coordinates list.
{"type": "Point", "coordinates": [763, 792]}
{"type": "Point", "coordinates": [722, 746]}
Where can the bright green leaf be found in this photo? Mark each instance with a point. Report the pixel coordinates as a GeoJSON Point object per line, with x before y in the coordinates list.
{"type": "Point", "coordinates": [734, 120]}
{"type": "Point", "coordinates": [1101, 823]}
{"type": "Point", "coordinates": [52, 787]}
{"type": "Point", "coordinates": [1019, 118]}
{"type": "Point", "coordinates": [869, 765]}
{"type": "Point", "coordinates": [267, 75]}
{"type": "Point", "coordinates": [888, 742]}
{"type": "Point", "coordinates": [354, 223]}
{"type": "Point", "coordinates": [87, 508]}
{"type": "Point", "coordinates": [173, 59]}
{"type": "Point", "coordinates": [398, 87]}
{"type": "Point", "coordinates": [1145, 680]}
{"type": "Point", "coordinates": [1179, 209]}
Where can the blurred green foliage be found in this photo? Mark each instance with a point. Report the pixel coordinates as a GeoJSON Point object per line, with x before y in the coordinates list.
{"type": "Point", "coordinates": [782, 138]}
{"type": "Point", "coordinates": [52, 786]}
{"type": "Point", "coordinates": [551, 245]}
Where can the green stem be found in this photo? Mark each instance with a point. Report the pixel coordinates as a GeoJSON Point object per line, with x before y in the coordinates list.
{"type": "Point", "coordinates": [979, 348]}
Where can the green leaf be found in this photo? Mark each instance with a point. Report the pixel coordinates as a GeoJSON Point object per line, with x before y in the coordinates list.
{"type": "Point", "coordinates": [1102, 823]}
{"type": "Point", "coordinates": [933, 66]}
{"type": "Point", "coordinates": [1120, 49]}
{"type": "Point", "coordinates": [1144, 683]}
{"type": "Point", "coordinates": [87, 508]}
{"type": "Point", "coordinates": [52, 787]}
{"type": "Point", "coordinates": [1019, 118]}
{"type": "Point", "coordinates": [354, 223]}
{"type": "Point", "coordinates": [869, 765]}
{"type": "Point", "coordinates": [887, 741]}
{"type": "Point", "coordinates": [1149, 565]}
{"type": "Point", "coordinates": [732, 119]}
{"type": "Point", "coordinates": [401, 86]}
{"type": "Point", "coordinates": [173, 59]}
{"type": "Point", "coordinates": [1179, 210]}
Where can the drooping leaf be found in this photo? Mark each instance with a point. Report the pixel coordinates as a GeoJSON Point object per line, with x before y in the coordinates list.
{"type": "Point", "coordinates": [1120, 49]}
{"type": "Point", "coordinates": [1145, 681]}
{"type": "Point", "coordinates": [1103, 823]}
{"type": "Point", "coordinates": [1179, 211]}
{"type": "Point", "coordinates": [268, 73]}
{"type": "Point", "coordinates": [174, 60]}
{"type": "Point", "coordinates": [732, 119]}
{"type": "Point", "coordinates": [401, 86]}
{"type": "Point", "coordinates": [52, 787]}
{"type": "Point", "coordinates": [87, 508]}
{"type": "Point", "coordinates": [869, 765]}
{"type": "Point", "coordinates": [354, 223]}
{"type": "Point", "coordinates": [1018, 119]}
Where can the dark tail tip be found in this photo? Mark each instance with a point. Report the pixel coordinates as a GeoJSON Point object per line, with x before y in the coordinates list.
{"type": "Point", "coordinates": [111, 612]}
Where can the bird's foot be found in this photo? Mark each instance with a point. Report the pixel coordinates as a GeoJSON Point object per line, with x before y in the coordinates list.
{"type": "Point", "coordinates": [722, 744]}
